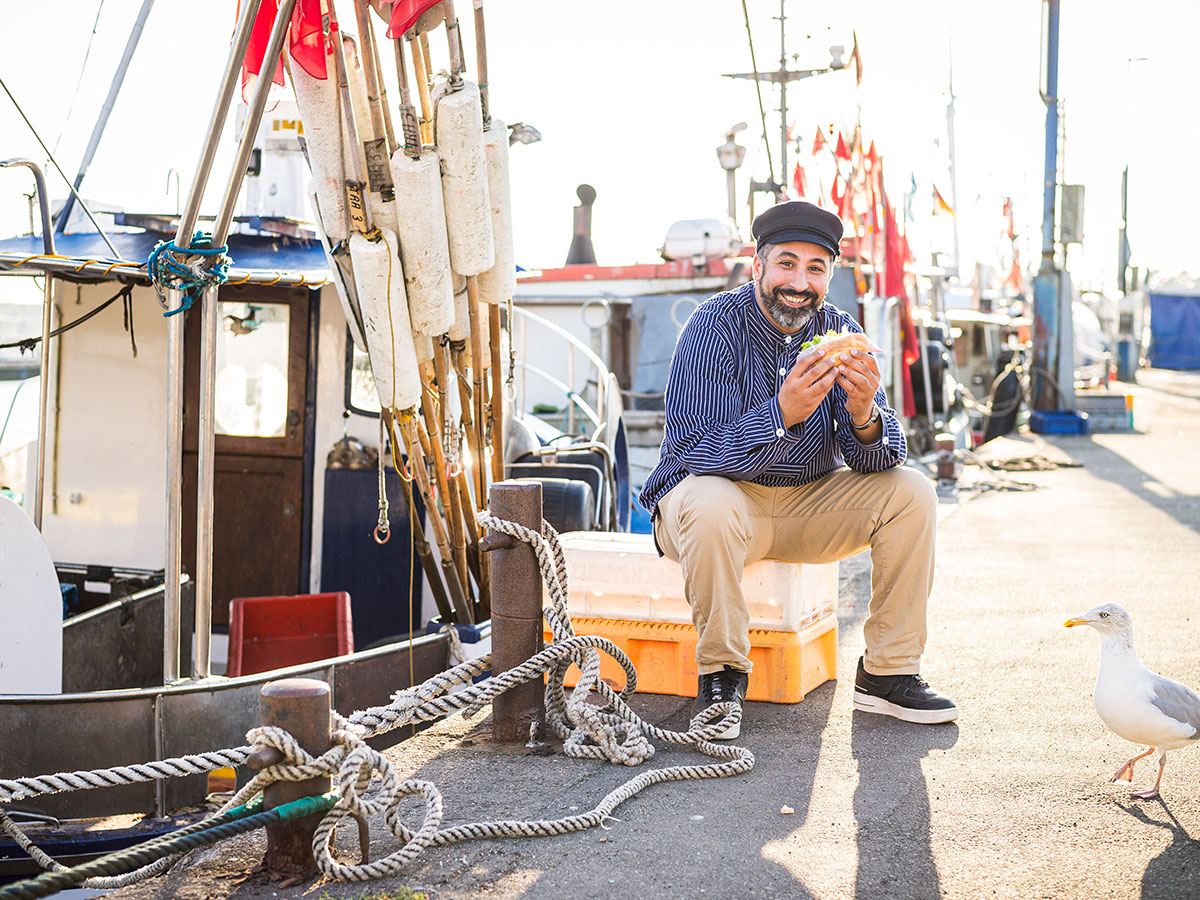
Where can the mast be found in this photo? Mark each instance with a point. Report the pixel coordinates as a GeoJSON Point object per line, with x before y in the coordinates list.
{"type": "Point", "coordinates": [953, 167]}
{"type": "Point", "coordinates": [783, 119]}
{"type": "Point", "coordinates": [135, 35]}
{"type": "Point", "coordinates": [782, 76]}
{"type": "Point", "coordinates": [1046, 395]}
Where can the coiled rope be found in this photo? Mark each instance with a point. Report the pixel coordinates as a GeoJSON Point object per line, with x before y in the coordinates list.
{"type": "Point", "coordinates": [612, 732]}
{"type": "Point", "coordinates": [190, 269]}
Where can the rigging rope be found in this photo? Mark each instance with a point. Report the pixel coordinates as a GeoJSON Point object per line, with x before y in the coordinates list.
{"type": "Point", "coordinates": [126, 292]}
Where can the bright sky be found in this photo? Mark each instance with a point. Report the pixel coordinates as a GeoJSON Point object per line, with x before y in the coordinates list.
{"type": "Point", "coordinates": [629, 98]}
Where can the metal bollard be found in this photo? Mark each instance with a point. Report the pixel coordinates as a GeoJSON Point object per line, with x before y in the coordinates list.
{"type": "Point", "coordinates": [300, 705]}
{"type": "Point", "coordinates": [516, 609]}
{"type": "Point", "coordinates": [945, 458]}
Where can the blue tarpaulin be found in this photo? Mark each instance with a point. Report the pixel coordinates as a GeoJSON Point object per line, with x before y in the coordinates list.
{"type": "Point", "coordinates": [1174, 331]}
{"type": "Point", "coordinates": [274, 253]}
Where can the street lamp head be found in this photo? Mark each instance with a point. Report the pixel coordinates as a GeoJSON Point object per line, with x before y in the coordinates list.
{"type": "Point", "coordinates": [835, 57]}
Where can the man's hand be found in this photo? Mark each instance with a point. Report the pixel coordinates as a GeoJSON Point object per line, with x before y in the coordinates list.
{"type": "Point", "coordinates": [811, 378]}
{"type": "Point", "coordinates": [858, 376]}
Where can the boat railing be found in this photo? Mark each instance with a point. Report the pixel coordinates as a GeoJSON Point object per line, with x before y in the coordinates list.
{"type": "Point", "coordinates": [576, 395]}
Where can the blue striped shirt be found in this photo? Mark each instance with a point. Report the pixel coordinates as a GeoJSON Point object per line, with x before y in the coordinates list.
{"type": "Point", "coordinates": [722, 406]}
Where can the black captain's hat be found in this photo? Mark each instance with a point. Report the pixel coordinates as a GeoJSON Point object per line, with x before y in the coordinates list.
{"type": "Point", "coordinates": [798, 220]}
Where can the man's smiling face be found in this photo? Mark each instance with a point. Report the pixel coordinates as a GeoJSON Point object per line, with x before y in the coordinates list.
{"type": "Point", "coordinates": [791, 280]}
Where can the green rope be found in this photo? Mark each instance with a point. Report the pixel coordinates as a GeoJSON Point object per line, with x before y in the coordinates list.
{"type": "Point", "coordinates": [236, 821]}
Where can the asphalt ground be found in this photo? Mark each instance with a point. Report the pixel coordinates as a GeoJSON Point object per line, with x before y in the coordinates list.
{"type": "Point", "coordinates": [1012, 800]}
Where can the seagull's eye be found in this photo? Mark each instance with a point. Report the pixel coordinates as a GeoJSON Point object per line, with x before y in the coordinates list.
{"type": "Point", "coordinates": [1104, 615]}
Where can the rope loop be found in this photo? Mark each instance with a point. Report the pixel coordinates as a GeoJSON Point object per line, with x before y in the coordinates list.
{"type": "Point", "coordinates": [189, 269]}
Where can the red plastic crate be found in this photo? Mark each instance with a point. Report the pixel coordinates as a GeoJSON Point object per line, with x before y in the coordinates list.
{"type": "Point", "coordinates": [272, 632]}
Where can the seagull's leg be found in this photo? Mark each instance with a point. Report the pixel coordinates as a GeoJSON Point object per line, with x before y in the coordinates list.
{"type": "Point", "coordinates": [1124, 775]}
{"type": "Point", "coordinates": [1150, 793]}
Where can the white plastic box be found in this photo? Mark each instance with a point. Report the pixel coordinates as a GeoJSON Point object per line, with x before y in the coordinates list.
{"type": "Point", "coordinates": [621, 576]}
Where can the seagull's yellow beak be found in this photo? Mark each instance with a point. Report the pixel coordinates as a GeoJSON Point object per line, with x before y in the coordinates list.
{"type": "Point", "coordinates": [1070, 622]}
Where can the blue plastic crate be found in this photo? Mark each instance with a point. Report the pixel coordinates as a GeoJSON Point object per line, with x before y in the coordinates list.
{"type": "Point", "coordinates": [1061, 421]}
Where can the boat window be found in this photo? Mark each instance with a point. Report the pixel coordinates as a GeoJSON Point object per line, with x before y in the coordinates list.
{"type": "Point", "coordinates": [252, 369]}
{"type": "Point", "coordinates": [361, 395]}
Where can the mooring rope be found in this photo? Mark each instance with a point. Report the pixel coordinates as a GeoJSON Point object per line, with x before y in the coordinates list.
{"type": "Point", "coordinates": [611, 731]}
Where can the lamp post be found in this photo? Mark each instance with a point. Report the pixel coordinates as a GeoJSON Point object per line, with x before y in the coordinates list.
{"type": "Point", "coordinates": [730, 154]}
{"type": "Point", "coordinates": [1126, 361]}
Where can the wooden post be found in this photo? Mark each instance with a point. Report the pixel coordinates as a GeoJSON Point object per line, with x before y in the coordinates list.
{"type": "Point", "coordinates": [516, 609]}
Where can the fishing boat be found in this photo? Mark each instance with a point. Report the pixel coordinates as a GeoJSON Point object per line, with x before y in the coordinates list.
{"type": "Point", "coordinates": [329, 398]}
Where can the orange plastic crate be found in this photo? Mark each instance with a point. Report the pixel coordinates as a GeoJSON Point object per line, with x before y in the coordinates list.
{"type": "Point", "coordinates": [787, 665]}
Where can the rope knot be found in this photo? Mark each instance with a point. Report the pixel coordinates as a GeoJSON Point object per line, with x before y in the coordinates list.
{"type": "Point", "coordinates": [189, 269]}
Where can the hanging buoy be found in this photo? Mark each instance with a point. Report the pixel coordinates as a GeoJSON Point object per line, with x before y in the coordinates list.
{"type": "Point", "coordinates": [460, 328]}
{"type": "Point", "coordinates": [459, 138]}
{"type": "Point", "coordinates": [319, 110]}
{"type": "Point", "coordinates": [383, 212]}
{"type": "Point", "coordinates": [342, 275]}
{"type": "Point", "coordinates": [499, 283]}
{"type": "Point", "coordinates": [421, 221]}
{"type": "Point", "coordinates": [380, 282]}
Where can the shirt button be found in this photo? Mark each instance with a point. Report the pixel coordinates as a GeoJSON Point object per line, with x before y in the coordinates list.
{"type": "Point", "coordinates": [788, 339]}
{"type": "Point", "coordinates": [778, 432]}
{"type": "Point", "coordinates": [783, 371]}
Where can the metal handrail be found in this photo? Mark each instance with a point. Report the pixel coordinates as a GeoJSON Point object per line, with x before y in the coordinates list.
{"type": "Point", "coordinates": [39, 478]}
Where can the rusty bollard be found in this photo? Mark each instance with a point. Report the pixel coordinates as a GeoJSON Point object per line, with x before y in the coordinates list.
{"type": "Point", "coordinates": [945, 459]}
{"type": "Point", "coordinates": [301, 706]}
{"type": "Point", "coordinates": [516, 608]}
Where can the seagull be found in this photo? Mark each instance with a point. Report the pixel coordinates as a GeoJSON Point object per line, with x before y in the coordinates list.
{"type": "Point", "coordinates": [1134, 702]}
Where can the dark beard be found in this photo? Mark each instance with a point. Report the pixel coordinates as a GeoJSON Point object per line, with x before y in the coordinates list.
{"type": "Point", "coordinates": [787, 316]}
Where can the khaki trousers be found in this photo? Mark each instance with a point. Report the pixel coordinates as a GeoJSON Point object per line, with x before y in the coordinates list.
{"type": "Point", "coordinates": [714, 527]}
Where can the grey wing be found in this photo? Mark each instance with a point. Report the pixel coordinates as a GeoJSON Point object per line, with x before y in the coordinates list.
{"type": "Point", "coordinates": [1177, 701]}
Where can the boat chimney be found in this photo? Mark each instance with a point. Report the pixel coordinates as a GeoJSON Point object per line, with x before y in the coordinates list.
{"type": "Point", "coordinates": [582, 252]}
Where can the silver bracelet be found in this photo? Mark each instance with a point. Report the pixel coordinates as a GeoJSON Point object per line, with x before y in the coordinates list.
{"type": "Point", "coordinates": [870, 421]}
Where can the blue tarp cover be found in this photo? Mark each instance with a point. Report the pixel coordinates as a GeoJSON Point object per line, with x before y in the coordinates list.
{"type": "Point", "coordinates": [274, 253]}
{"type": "Point", "coordinates": [1174, 331]}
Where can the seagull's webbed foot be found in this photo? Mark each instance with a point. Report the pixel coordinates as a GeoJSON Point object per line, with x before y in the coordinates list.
{"type": "Point", "coordinates": [1124, 775]}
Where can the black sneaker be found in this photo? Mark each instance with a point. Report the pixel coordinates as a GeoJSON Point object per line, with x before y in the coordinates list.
{"type": "Point", "coordinates": [726, 686]}
{"type": "Point", "coordinates": [907, 697]}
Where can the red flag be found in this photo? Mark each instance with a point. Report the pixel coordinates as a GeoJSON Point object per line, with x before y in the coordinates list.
{"type": "Point", "coordinates": [1010, 228]}
{"type": "Point", "coordinates": [256, 49]}
{"type": "Point", "coordinates": [306, 42]}
{"type": "Point", "coordinates": [818, 141]}
{"type": "Point", "coordinates": [405, 14]}
{"type": "Point", "coordinates": [842, 152]}
{"type": "Point", "coordinates": [798, 181]}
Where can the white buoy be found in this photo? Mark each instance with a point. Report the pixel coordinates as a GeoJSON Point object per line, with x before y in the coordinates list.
{"type": "Point", "coordinates": [499, 283]}
{"type": "Point", "coordinates": [459, 139]}
{"type": "Point", "coordinates": [460, 328]}
{"type": "Point", "coordinates": [345, 292]}
{"type": "Point", "coordinates": [320, 112]}
{"type": "Point", "coordinates": [421, 227]}
{"type": "Point", "coordinates": [383, 213]}
{"type": "Point", "coordinates": [424, 345]}
{"type": "Point", "coordinates": [380, 281]}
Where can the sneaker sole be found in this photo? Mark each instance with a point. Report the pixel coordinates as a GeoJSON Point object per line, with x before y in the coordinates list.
{"type": "Point", "coordinates": [870, 704]}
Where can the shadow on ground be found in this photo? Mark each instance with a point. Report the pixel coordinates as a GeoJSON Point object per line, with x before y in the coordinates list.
{"type": "Point", "coordinates": [891, 806]}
